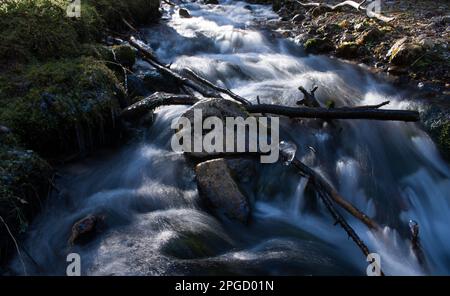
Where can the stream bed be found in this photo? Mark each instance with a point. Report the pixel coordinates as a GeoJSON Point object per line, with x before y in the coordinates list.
{"type": "Point", "coordinates": [156, 223]}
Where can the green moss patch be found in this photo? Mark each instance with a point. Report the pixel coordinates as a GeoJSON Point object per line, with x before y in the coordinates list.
{"type": "Point", "coordinates": [52, 103]}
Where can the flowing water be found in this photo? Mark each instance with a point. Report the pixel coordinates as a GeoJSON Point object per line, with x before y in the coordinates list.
{"type": "Point", "coordinates": [156, 223]}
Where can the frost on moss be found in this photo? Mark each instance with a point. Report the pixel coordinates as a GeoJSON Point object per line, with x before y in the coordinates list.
{"type": "Point", "coordinates": [55, 106]}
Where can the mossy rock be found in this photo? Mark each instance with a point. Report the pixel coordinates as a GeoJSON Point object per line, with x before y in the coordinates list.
{"type": "Point", "coordinates": [124, 55]}
{"type": "Point", "coordinates": [347, 50]}
{"type": "Point", "coordinates": [24, 183]}
{"type": "Point", "coordinates": [41, 29]}
{"type": "Point", "coordinates": [56, 106]}
{"type": "Point", "coordinates": [318, 45]}
{"type": "Point", "coordinates": [369, 36]}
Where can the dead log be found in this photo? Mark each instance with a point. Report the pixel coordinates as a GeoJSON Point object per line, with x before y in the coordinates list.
{"type": "Point", "coordinates": [139, 109]}
{"type": "Point", "coordinates": [336, 113]}
{"type": "Point", "coordinates": [362, 112]}
{"type": "Point", "coordinates": [354, 4]}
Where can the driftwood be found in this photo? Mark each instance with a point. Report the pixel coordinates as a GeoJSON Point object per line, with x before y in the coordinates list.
{"type": "Point", "coordinates": [138, 109]}
{"type": "Point", "coordinates": [336, 113]}
{"type": "Point", "coordinates": [150, 58]}
{"type": "Point", "coordinates": [354, 4]}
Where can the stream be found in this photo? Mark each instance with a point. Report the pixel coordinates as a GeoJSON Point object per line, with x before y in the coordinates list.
{"type": "Point", "coordinates": [156, 222]}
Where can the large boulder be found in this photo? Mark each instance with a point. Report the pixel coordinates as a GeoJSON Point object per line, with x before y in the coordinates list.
{"type": "Point", "coordinates": [220, 191]}
{"type": "Point", "coordinates": [219, 108]}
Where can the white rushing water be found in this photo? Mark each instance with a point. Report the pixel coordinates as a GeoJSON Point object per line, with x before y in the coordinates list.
{"type": "Point", "coordinates": [156, 222]}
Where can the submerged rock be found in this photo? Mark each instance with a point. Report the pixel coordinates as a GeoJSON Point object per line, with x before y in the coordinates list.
{"type": "Point", "coordinates": [183, 12]}
{"type": "Point", "coordinates": [220, 191]}
{"type": "Point", "coordinates": [85, 229]}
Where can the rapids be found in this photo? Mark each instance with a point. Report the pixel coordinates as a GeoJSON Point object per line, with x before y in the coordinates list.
{"type": "Point", "coordinates": [157, 224]}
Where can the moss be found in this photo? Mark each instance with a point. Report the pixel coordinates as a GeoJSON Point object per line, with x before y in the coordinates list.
{"type": "Point", "coordinates": [40, 29]}
{"type": "Point", "coordinates": [135, 11]}
{"type": "Point", "coordinates": [124, 54]}
{"type": "Point", "coordinates": [347, 50]}
{"type": "Point", "coordinates": [318, 45]}
{"type": "Point", "coordinates": [61, 97]}
{"type": "Point", "coordinates": [24, 178]}
{"type": "Point", "coordinates": [444, 140]}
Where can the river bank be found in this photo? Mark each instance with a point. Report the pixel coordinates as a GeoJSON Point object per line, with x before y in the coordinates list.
{"type": "Point", "coordinates": [61, 88]}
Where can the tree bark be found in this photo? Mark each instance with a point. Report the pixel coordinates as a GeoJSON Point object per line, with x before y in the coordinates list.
{"type": "Point", "coordinates": [154, 101]}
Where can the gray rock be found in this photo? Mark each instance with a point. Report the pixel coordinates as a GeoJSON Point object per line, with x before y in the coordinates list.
{"type": "Point", "coordinates": [220, 191]}
{"type": "Point", "coordinates": [214, 107]}
{"type": "Point", "coordinates": [183, 12]}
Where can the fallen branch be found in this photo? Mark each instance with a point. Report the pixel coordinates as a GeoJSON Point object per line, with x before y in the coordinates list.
{"type": "Point", "coordinates": [309, 98]}
{"type": "Point", "coordinates": [150, 58]}
{"type": "Point", "coordinates": [327, 194]}
{"type": "Point", "coordinates": [322, 185]}
{"type": "Point", "coordinates": [373, 106]}
{"type": "Point", "coordinates": [357, 6]}
{"type": "Point", "coordinates": [154, 101]}
{"type": "Point", "coordinates": [336, 113]}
